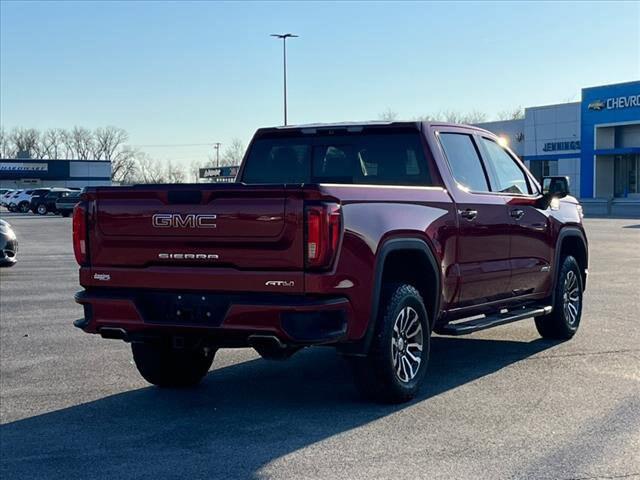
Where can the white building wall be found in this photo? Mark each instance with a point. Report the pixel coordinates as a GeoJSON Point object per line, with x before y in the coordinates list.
{"type": "Point", "coordinates": [89, 169]}
{"type": "Point", "coordinates": [551, 123]}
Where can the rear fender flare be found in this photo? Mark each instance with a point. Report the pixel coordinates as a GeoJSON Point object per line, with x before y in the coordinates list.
{"type": "Point", "coordinates": [394, 245]}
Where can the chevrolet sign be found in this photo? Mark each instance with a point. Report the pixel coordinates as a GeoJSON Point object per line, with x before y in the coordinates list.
{"type": "Point", "coordinates": [615, 103]}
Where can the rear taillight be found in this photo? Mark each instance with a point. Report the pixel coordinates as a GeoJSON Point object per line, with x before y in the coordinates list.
{"type": "Point", "coordinates": [80, 233]}
{"type": "Point", "coordinates": [323, 234]}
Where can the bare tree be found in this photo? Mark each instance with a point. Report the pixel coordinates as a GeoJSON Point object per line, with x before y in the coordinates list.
{"type": "Point", "coordinates": [452, 116]}
{"type": "Point", "coordinates": [82, 141]}
{"type": "Point", "coordinates": [149, 170]}
{"type": "Point", "coordinates": [7, 149]}
{"type": "Point", "coordinates": [194, 170]}
{"type": "Point", "coordinates": [25, 140]}
{"type": "Point", "coordinates": [512, 114]}
{"type": "Point", "coordinates": [107, 141]}
{"type": "Point", "coordinates": [51, 144]}
{"type": "Point", "coordinates": [389, 115]}
{"type": "Point", "coordinates": [125, 165]}
{"type": "Point", "coordinates": [174, 174]}
{"type": "Point", "coordinates": [233, 153]}
{"type": "Point", "coordinates": [66, 139]}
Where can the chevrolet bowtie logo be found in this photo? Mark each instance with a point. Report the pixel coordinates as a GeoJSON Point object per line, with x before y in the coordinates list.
{"type": "Point", "coordinates": [597, 105]}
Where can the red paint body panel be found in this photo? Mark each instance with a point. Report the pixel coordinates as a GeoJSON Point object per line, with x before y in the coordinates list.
{"type": "Point", "coordinates": [257, 248]}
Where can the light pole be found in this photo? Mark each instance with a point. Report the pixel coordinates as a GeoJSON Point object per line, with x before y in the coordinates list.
{"type": "Point", "coordinates": [283, 37]}
{"type": "Point", "coordinates": [217, 147]}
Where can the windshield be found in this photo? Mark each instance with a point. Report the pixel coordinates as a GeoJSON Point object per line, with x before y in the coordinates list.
{"type": "Point", "coordinates": [364, 158]}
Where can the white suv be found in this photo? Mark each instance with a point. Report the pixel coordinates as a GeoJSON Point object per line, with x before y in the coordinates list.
{"type": "Point", "coordinates": [20, 202]}
{"type": "Point", "coordinates": [4, 195]}
{"type": "Point", "coordinates": [7, 198]}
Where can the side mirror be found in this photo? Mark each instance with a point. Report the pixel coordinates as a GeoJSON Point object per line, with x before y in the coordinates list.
{"type": "Point", "coordinates": [557, 187]}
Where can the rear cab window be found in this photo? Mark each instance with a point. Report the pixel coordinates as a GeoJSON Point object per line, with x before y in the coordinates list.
{"type": "Point", "coordinates": [374, 157]}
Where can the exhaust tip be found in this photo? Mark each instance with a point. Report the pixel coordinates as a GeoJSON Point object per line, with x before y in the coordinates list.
{"type": "Point", "coordinates": [271, 347]}
{"type": "Point", "coordinates": [270, 341]}
{"type": "Point", "coordinates": [113, 333]}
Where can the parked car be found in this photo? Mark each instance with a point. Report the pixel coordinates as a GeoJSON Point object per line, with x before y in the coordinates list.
{"type": "Point", "coordinates": [366, 237]}
{"type": "Point", "coordinates": [46, 203]}
{"type": "Point", "coordinates": [66, 202]}
{"type": "Point", "coordinates": [36, 196]}
{"type": "Point", "coordinates": [4, 196]}
{"type": "Point", "coordinates": [20, 203]}
{"type": "Point", "coordinates": [10, 200]}
{"type": "Point", "coordinates": [8, 245]}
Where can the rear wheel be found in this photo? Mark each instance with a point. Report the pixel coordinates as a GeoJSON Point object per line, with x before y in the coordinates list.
{"type": "Point", "coordinates": [42, 209]}
{"type": "Point", "coordinates": [165, 366]}
{"type": "Point", "coordinates": [397, 361]}
{"type": "Point", "coordinates": [563, 322]}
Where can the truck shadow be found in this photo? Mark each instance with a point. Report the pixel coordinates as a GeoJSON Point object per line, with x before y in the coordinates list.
{"type": "Point", "coordinates": [241, 418]}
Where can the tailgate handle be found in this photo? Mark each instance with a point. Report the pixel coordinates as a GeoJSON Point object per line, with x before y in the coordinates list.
{"type": "Point", "coordinates": [184, 197]}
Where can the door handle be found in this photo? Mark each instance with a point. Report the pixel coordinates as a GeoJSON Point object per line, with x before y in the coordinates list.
{"type": "Point", "coordinates": [469, 214]}
{"type": "Point", "coordinates": [517, 213]}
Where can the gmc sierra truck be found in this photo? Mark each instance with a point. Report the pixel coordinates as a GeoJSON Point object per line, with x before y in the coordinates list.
{"type": "Point", "coordinates": [366, 237]}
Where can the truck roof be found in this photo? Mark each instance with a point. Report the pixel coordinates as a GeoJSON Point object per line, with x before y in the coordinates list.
{"type": "Point", "coordinates": [354, 126]}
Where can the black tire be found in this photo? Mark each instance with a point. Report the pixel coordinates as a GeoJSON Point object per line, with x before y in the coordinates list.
{"type": "Point", "coordinates": [563, 322]}
{"type": "Point", "coordinates": [378, 375]}
{"type": "Point", "coordinates": [164, 366]}
{"type": "Point", "coordinates": [23, 207]}
{"type": "Point", "coordinates": [42, 209]}
{"type": "Point", "coordinates": [65, 213]}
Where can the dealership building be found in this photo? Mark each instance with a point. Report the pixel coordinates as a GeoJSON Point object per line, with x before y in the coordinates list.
{"type": "Point", "coordinates": [29, 173]}
{"type": "Point", "coordinates": [595, 142]}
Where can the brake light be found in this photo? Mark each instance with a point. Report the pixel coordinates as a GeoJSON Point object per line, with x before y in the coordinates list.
{"type": "Point", "coordinates": [80, 233]}
{"type": "Point", "coordinates": [323, 234]}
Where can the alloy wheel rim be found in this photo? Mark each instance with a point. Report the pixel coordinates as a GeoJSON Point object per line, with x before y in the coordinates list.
{"type": "Point", "coordinates": [406, 344]}
{"type": "Point", "coordinates": [571, 298]}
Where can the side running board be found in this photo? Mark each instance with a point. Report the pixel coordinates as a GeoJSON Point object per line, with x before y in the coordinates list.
{"type": "Point", "coordinates": [483, 323]}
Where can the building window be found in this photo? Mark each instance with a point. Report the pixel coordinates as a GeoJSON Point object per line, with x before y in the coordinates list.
{"type": "Point", "coordinates": [626, 175]}
{"type": "Point", "coordinates": [543, 168]}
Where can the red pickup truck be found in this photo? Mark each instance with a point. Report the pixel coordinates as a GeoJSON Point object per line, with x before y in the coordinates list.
{"type": "Point", "coordinates": [366, 237]}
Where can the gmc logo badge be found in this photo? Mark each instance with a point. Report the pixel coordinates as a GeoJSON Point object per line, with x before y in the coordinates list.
{"type": "Point", "coordinates": [177, 220]}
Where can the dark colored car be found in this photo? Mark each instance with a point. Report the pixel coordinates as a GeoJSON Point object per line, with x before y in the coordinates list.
{"type": "Point", "coordinates": [8, 245]}
{"type": "Point", "coordinates": [365, 237]}
{"type": "Point", "coordinates": [65, 203]}
{"type": "Point", "coordinates": [46, 202]}
{"type": "Point", "coordinates": [36, 195]}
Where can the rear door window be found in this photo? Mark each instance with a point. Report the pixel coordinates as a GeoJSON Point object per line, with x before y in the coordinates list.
{"type": "Point", "coordinates": [464, 161]}
{"type": "Point", "coordinates": [391, 159]}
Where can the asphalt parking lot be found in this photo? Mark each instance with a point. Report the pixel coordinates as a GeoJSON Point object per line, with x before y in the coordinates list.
{"type": "Point", "coordinates": [498, 404]}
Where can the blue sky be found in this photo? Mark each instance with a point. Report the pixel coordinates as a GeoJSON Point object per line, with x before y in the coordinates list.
{"type": "Point", "coordinates": [183, 73]}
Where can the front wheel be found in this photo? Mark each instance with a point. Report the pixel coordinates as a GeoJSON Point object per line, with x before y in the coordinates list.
{"type": "Point", "coordinates": [397, 361]}
{"type": "Point", "coordinates": [164, 366]}
{"type": "Point", "coordinates": [563, 322]}
{"type": "Point", "coordinates": [23, 207]}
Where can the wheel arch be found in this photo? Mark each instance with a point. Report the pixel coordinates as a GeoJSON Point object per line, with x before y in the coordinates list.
{"type": "Point", "coordinates": [409, 251]}
{"type": "Point", "coordinates": [572, 241]}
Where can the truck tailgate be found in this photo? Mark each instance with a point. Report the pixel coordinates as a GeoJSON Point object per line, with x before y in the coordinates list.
{"type": "Point", "coordinates": [237, 226]}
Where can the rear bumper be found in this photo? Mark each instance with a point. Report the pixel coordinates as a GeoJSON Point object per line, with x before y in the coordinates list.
{"type": "Point", "coordinates": [226, 317]}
